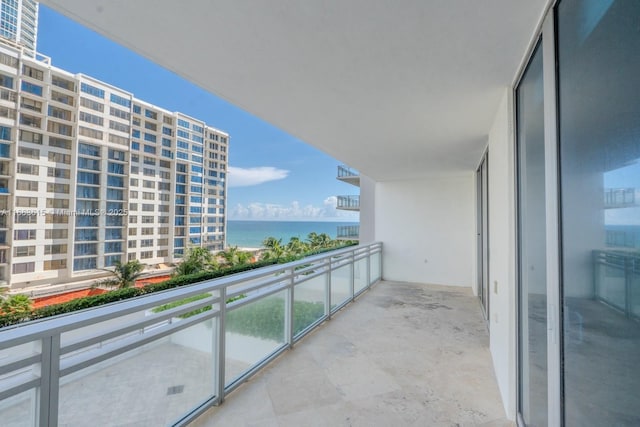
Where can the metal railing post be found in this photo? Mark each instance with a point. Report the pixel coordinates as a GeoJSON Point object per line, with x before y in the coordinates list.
{"type": "Point", "coordinates": [288, 318]}
{"type": "Point", "coordinates": [327, 290]}
{"type": "Point", "coordinates": [50, 386]}
{"type": "Point", "coordinates": [221, 345]}
{"type": "Point", "coordinates": [368, 267]}
{"type": "Point", "coordinates": [352, 284]}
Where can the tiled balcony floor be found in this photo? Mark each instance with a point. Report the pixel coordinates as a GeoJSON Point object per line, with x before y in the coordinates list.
{"type": "Point", "coordinates": [402, 355]}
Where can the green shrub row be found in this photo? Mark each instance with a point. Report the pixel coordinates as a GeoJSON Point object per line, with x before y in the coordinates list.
{"type": "Point", "coordinates": [265, 318]}
{"type": "Point", "coordinates": [10, 319]}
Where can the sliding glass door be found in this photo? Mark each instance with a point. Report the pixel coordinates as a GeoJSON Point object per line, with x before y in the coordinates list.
{"type": "Point", "coordinates": [578, 170]}
{"type": "Point", "coordinates": [599, 139]}
{"type": "Point", "coordinates": [532, 321]}
{"type": "Point", "coordinates": [482, 227]}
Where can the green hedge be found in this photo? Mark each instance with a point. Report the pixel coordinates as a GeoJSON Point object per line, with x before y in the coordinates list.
{"type": "Point", "coordinates": [126, 293]}
{"type": "Point", "coordinates": [265, 318]}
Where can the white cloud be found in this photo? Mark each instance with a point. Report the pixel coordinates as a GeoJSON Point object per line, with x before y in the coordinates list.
{"type": "Point", "coordinates": [245, 177]}
{"type": "Point", "coordinates": [293, 211]}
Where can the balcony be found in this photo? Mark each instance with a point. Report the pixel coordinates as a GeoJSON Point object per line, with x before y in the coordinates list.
{"type": "Point", "coordinates": [348, 175]}
{"type": "Point", "coordinates": [4, 169]}
{"type": "Point", "coordinates": [349, 203]}
{"type": "Point", "coordinates": [166, 358]}
{"type": "Point", "coordinates": [348, 232]}
{"type": "Point", "coordinates": [615, 198]}
{"type": "Point", "coordinates": [403, 354]}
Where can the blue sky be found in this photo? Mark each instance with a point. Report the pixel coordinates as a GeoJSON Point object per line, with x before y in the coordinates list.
{"type": "Point", "coordinates": [272, 174]}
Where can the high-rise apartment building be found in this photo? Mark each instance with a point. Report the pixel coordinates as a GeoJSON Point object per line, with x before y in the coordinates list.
{"type": "Point", "coordinates": [91, 176]}
{"type": "Point", "coordinates": [19, 23]}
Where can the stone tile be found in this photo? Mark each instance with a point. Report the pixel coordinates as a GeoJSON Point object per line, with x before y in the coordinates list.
{"type": "Point", "coordinates": [401, 355]}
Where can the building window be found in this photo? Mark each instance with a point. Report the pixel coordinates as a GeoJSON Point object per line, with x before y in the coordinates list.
{"type": "Point", "coordinates": [21, 251]}
{"type": "Point", "coordinates": [84, 264]}
{"type": "Point", "coordinates": [24, 267]}
{"type": "Point", "coordinates": [28, 169]}
{"type": "Point", "coordinates": [24, 234]}
{"type": "Point", "coordinates": [55, 249]}
{"type": "Point", "coordinates": [120, 100]}
{"type": "Point", "coordinates": [31, 88]}
{"type": "Point", "coordinates": [93, 119]}
{"type": "Point", "coordinates": [56, 234]}
{"type": "Point", "coordinates": [91, 104]}
{"type": "Point", "coordinates": [31, 104]}
{"type": "Point", "coordinates": [6, 81]}
{"type": "Point", "coordinates": [59, 143]}
{"type": "Point", "coordinates": [60, 128]}
{"type": "Point", "coordinates": [92, 90]}
{"type": "Point", "coordinates": [56, 264]}
{"type": "Point", "coordinates": [5, 133]}
{"type": "Point", "coordinates": [59, 158]}
{"type": "Point", "coordinates": [62, 98]}
{"type": "Point", "coordinates": [63, 83]}
{"type": "Point", "coordinates": [90, 133]}
{"type": "Point", "coordinates": [24, 185]}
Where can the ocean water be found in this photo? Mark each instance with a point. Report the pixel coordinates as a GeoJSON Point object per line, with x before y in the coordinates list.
{"type": "Point", "coordinates": [251, 233]}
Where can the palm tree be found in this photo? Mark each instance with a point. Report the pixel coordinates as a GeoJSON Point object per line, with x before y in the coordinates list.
{"type": "Point", "coordinates": [312, 238]}
{"type": "Point", "coordinates": [124, 275]}
{"type": "Point", "coordinates": [195, 260]}
{"type": "Point", "coordinates": [324, 240]}
{"type": "Point", "coordinates": [233, 257]}
{"type": "Point", "coordinates": [297, 247]}
{"type": "Point", "coordinates": [274, 250]}
{"type": "Point", "coordinates": [270, 242]}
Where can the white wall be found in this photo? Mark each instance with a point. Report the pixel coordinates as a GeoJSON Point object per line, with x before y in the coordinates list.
{"type": "Point", "coordinates": [367, 209]}
{"type": "Point", "coordinates": [427, 228]}
{"type": "Point", "coordinates": [502, 254]}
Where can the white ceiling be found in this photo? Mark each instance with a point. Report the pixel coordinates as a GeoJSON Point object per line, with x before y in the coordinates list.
{"type": "Point", "coordinates": [396, 89]}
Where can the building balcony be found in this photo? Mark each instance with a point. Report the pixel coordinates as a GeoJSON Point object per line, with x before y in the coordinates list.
{"type": "Point", "coordinates": [400, 354]}
{"type": "Point", "coordinates": [384, 361]}
{"type": "Point", "coordinates": [348, 232]}
{"type": "Point", "coordinates": [615, 198]}
{"type": "Point", "coordinates": [4, 169]}
{"type": "Point", "coordinates": [349, 203]}
{"type": "Point", "coordinates": [348, 175]}
{"type": "Point", "coordinates": [174, 360]}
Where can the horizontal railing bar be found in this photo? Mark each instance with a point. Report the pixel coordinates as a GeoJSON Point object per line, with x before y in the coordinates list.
{"type": "Point", "coordinates": [308, 277]}
{"type": "Point", "coordinates": [320, 266]}
{"type": "Point", "coordinates": [27, 385]}
{"type": "Point", "coordinates": [34, 330]}
{"type": "Point", "coordinates": [19, 363]}
{"type": "Point", "coordinates": [274, 282]}
{"type": "Point", "coordinates": [41, 328]}
{"type": "Point", "coordinates": [136, 325]}
{"type": "Point", "coordinates": [257, 296]}
{"type": "Point", "coordinates": [70, 365]}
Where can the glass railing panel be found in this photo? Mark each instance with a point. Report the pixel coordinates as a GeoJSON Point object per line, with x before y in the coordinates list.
{"type": "Point", "coordinates": [308, 302]}
{"type": "Point", "coordinates": [154, 384]}
{"type": "Point", "coordinates": [340, 285]}
{"type": "Point", "coordinates": [360, 275]}
{"type": "Point", "coordinates": [19, 410]}
{"type": "Point", "coordinates": [252, 333]}
{"type": "Point", "coordinates": [374, 267]}
{"type": "Point", "coordinates": [146, 315]}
